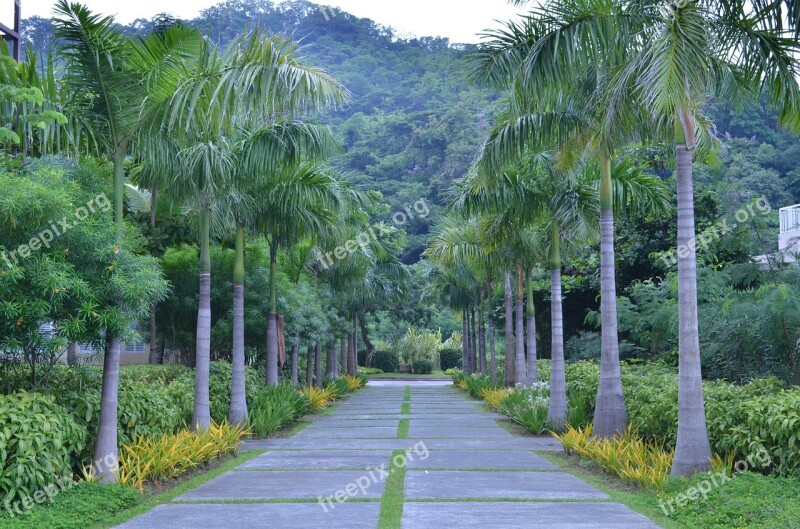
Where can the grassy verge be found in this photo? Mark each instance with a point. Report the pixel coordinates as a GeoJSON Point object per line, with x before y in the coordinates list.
{"type": "Point", "coordinates": [96, 506]}
{"type": "Point", "coordinates": [393, 494]}
{"type": "Point", "coordinates": [634, 497]}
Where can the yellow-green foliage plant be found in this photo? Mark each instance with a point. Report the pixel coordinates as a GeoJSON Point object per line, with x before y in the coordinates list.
{"type": "Point", "coordinates": [354, 383]}
{"type": "Point", "coordinates": [154, 460]}
{"type": "Point", "coordinates": [494, 397]}
{"type": "Point", "coordinates": [630, 457]}
{"type": "Point", "coordinates": [318, 398]}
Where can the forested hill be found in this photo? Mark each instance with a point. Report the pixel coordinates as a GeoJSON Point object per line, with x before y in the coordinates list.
{"type": "Point", "coordinates": [415, 122]}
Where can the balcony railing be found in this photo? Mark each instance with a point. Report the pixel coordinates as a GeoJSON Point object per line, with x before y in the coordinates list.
{"type": "Point", "coordinates": [790, 218]}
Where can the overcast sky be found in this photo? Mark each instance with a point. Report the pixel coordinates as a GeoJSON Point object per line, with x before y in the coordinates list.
{"type": "Point", "coordinates": [459, 20]}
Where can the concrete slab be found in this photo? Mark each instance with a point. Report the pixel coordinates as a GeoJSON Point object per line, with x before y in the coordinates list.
{"type": "Point", "coordinates": [354, 423]}
{"type": "Point", "coordinates": [279, 485]}
{"type": "Point", "coordinates": [331, 444]}
{"type": "Point", "coordinates": [447, 484]}
{"type": "Point", "coordinates": [479, 421]}
{"type": "Point", "coordinates": [319, 459]}
{"type": "Point", "coordinates": [481, 459]}
{"type": "Point", "coordinates": [348, 433]}
{"type": "Point", "coordinates": [539, 515]}
{"type": "Point", "coordinates": [225, 516]}
{"type": "Point", "coordinates": [467, 432]}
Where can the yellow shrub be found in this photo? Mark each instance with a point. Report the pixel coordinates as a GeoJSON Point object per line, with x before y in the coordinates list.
{"type": "Point", "coordinates": [494, 396]}
{"type": "Point", "coordinates": [628, 456]}
{"type": "Point", "coordinates": [354, 383]}
{"type": "Point", "coordinates": [166, 457]}
{"type": "Point", "coordinates": [461, 384]}
{"type": "Point", "coordinates": [318, 398]}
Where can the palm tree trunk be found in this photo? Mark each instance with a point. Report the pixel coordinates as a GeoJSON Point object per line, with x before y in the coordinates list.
{"type": "Point", "coordinates": [238, 410]}
{"type": "Point", "coordinates": [106, 459]}
{"type": "Point", "coordinates": [354, 358]}
{"type": "Point", "coordinates": [330, 363]}
{"type": "Point", "coordinates": [492, 351]}
{"type": "Point", "coordinates": [318, 365]}
{"type": "Point", "coordinates": [557, 412]}
{"type": "Point", "coordinates": [481, 337]}
{"type": "Point", "coordinates": [533, 368]}
{"type": "Point", "coordinates": [272, 322]}
{"type": "Point", "coordinates": [343, 352]}
{"type": "Point", "coordinates": [464, 342]}
{"type": "Point", "coordinates": [610, 418]}
{"type": "Point", "coordinates": [352, 355]}
{"type": "Point", "coordinates": [519, 357]}
{"type": "Point", "coordinates": [106, 455]}
{"type": "Point", "coordinates": [509, 371]}
{"type": "Point", "coordinates": [692, 450]}
{"type": "Point", "coordinates": [201, 417]}
{"type": "Point", "coordinates": [156, 351]}
{"type": "Point", "coordinates": [310, 366]}
{"type": "Point", "coordinates": [295, 360]}
{"type": "Point", "coordinates": [473, 340]}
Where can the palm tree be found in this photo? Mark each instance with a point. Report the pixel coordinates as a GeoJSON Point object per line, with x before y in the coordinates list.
{"type": "Point", "coordinates": [562, 206]}
{"type": "Point", "coordinates": [108, 78]}
{"type": "Point", "coordinates": [675, 58]}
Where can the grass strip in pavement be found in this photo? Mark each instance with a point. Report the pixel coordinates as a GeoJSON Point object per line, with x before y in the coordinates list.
{"type": "Point", "coordinates": [402, 428]}
{"type": "Point", "coordinates": [407, 394]}
{"type": "Point", "coordinates": [394, 494]}
{"type": "Point", "coordinates": [405, 408]}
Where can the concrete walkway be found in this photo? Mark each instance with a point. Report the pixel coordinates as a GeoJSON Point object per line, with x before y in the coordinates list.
{"type": "Point", "coordinates": [463, 470]}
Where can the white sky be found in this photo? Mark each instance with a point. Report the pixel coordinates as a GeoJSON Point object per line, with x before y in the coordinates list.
{"type": "Point", "coordinates": [459, 20]}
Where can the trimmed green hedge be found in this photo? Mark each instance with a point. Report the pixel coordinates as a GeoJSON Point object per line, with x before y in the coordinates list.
{"type": "Point", "coordinates": [450, 358]}
{"type": "Point", "coordinates": [422, 366]}
{"type": "Point", "coordinates": [386, 361]}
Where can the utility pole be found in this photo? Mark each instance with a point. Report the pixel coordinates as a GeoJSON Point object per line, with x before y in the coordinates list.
{"type": "Point", "coordinates": [12, 35]}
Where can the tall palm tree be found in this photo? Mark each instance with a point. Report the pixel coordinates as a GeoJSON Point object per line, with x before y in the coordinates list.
{"type": "Point", "coordinates": [675, 58]}
{"type": "Point", "coordinates": [536, 193]}
{"type": "Point", "coordinates": [116, 86]}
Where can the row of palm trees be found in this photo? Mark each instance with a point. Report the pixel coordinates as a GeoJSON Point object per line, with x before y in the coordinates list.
{"type": "Point", "coordinates": [588, 82]}
{"type": "Point", "coordinates": [229, 134]}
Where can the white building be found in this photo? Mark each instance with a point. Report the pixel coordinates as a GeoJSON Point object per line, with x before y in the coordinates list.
{"type": "Point", "coordinates": [789, 238]}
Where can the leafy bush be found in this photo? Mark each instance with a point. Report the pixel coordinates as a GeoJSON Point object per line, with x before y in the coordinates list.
{"type": "Point", "coordinates": [386, 361]}
{"type": "Point", "coordinates": [476, 383]}
{"type": "Point", "coordinates": [37, 438]}
{"type": "Point", "coordinates": [493, 397]}
{"type": "Point", "coordinates": [275, 407]}
{"type": "Point", "coordinates": [527, 406]}
{"type": "Point", "coordinates": [450, 358]}
{"type": "Point", "coordinates": [146, 410]}
{"type": "Point", "coordinates": [422, 366]}
{"type": "Point", "coordinates": [169, 456]}
{"type": "Point", "coordinates": [339, 386]}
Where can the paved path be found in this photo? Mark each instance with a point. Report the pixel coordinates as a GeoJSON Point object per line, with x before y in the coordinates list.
{"type": "Point", "coordinates": [463, 470]}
